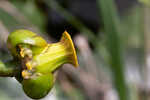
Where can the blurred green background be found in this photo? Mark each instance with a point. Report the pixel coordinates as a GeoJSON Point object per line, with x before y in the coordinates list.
{"type": "Point", "coordinates": [112, 38]}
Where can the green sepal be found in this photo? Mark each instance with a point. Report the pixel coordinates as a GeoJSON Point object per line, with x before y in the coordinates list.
{"type": "Point", "coordinates": [24, 37]}
{"type": "Point", "coordinates": [38, 87]}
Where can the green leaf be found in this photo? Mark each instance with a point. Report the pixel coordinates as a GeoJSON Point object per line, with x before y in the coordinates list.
{"type": "Point", "coordinates": [110, 20]}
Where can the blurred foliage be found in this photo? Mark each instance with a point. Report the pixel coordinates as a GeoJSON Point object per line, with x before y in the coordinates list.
{"type": "Point", "coordinates": [146, 2]}
{"type": "Point", "coordinates": [8, 20]}
{"type": "Point", "coordinates": [30, 10]}
{"type": "Point", "coordinates": [111, 22]}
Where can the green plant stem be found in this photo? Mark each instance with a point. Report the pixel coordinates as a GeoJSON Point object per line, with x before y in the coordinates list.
{"type": "Point", "coordinates": [8, 69]}
{"type": "Point", "coordinates": [110, 19]}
